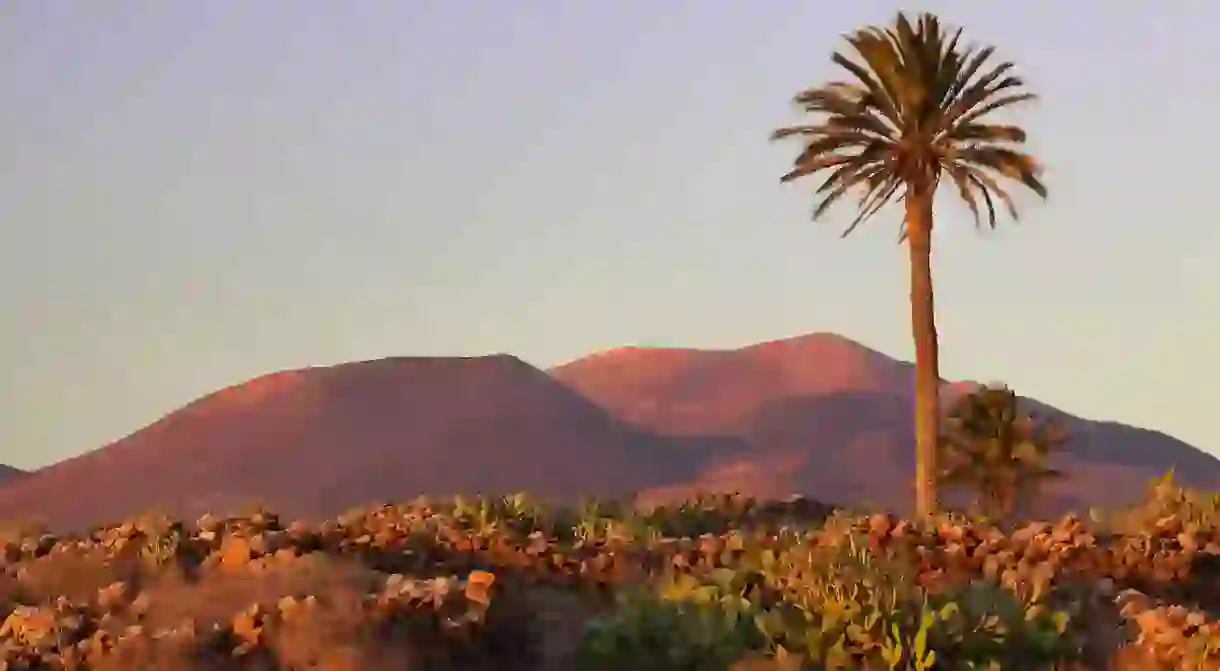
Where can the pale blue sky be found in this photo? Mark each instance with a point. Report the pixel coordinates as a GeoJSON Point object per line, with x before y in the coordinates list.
{"type": "Point", "coordinates": [195, 193]}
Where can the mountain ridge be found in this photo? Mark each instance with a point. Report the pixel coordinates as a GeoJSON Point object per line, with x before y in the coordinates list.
{"type": "Point", "coordinates": [817, 414]}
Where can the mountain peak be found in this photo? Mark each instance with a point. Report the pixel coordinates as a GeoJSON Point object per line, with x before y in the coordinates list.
{"type": "Point", "coordinates": [819, 342]}
{"type": "Point", "coordinates": [260, 388]}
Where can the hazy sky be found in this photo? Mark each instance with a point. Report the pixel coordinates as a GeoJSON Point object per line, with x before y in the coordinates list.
{"type": "Point", "coordinates": [195, 193]}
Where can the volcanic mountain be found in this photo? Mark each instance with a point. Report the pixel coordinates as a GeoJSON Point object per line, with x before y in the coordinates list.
{"type": "Point", "coordinates": [819, 415]}
{"type": "Point", "coordinates": [317, 441]}
{"type": "Point", "coordinates": [829, 417]}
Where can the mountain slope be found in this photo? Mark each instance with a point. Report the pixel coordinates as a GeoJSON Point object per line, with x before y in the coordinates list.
{"type": "Point", "coordinates": [314, 442]}
{"type": "Point", "coordinates": [695, 391]}
{"type": "Point", "coordinates": [8, 474]}
{"type": "Point", "coordinates": [826, 416]}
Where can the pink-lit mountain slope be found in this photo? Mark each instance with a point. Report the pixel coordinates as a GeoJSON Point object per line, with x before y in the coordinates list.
{"type": "Point", "coordinates": [317, 441]}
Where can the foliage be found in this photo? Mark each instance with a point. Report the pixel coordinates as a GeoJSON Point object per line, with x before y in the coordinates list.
{"type": "Point", "coordinates": [1165, 501]}
{"type": "Point", "coordinates": [991, 445]}
{"type": "Point", "coordinates": [651, 630]}
{"type": "Point", "coordinates": [720, 582]}
{"type": "Point", "coordinates": [837, 606]}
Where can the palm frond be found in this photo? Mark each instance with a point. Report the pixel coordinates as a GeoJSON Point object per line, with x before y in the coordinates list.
{"type": "Point", "coordinates": [975, 132]}
{"type": "Point", "coordinates": [990, 189]}
{"type": "Point", "coordinates": [1011, 164]}
{"type": "Point", "coordinates": [863, 176]}
{"type": "Point", "coordinates": [877, 197]}
{"type": "Point", "coordinates": [879, 97]}
{"type": "Point", "coordinates": [998, 103]}
{"type": "Point", "coordinates": [966, 191]}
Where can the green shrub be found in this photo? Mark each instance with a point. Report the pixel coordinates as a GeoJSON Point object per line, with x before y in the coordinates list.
{"type": "Point", "coordinates": [658, 631]}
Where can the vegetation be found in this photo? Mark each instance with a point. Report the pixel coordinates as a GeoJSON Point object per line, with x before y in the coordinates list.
{"type": "Point", "coordinates": [991, 445]}
{"type": "Point", "coordinates": [721, 582]}
{"type": "Point", "coordinates": [916, 110]}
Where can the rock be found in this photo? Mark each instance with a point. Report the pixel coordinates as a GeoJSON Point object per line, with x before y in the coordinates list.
{"type": "Point", "coordinates": [248, 625]}
{"type": "Point", "coordinates": [235, 553]}
{"type": "Point", "coordinates": [478, 587]}
{"type": "Point", "coordinates": [258, 545]}
{"type": "Point", "coordinates": [112, 596]}
{"type": "Point", "coordinates": [11, 552]}
{"type": "Point", "coordinates": [208, 523]}
{"type": "Point", "coordinates": [140, 605]}
{"type": "Point", "coordinates": [30, 625]}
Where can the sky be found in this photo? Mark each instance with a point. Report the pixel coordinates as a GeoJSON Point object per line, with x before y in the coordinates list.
{"type": "Point", "coordinates": [197, 193]}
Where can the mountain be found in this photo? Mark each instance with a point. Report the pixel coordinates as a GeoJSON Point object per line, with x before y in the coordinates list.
{"type": "Point", "coordinates": [317, 441]}
{"type": "Point", "coordinates": [818, 414]}
{"type": "Point", "coordinates": [827, 416]}
{"type": "Point", "coordinates": [8, 473]}
{"type": "Point", "coordinates": [688, 390]}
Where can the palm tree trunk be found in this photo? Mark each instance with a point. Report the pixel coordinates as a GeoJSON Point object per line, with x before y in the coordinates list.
{"type": "Point", "coordinates": [927, 365]}
{"type": "Point", "coordinates": [1008, 501]}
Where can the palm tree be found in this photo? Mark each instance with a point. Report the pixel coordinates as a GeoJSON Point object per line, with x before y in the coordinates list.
{"type": "Point", "coordinates": [915, 111]}
{"type": "Point", "coordinates": [994, 447]}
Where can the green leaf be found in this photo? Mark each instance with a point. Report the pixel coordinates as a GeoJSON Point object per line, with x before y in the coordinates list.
{"type": "Point", "coordinates": [705, 594]}
{"type": "Point", "coordinates": [950, 610]}
{"type": "Point", "coordinates": [724, 577]}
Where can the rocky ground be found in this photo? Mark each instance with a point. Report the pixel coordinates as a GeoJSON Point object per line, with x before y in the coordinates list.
{"type": "Point", "coordinates": [718, 583]}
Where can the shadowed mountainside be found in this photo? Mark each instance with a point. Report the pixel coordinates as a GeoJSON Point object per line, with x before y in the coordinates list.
{"type": "Point", "coordinates": [827, 416]}
{"type": "Point", "coordinates": [8, 473]}
{"type": "Point", "coordinates": [317, 441]}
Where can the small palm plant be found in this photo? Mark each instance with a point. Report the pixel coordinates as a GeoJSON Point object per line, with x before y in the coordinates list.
{"type": "Point", "coordinates": [989, 444]}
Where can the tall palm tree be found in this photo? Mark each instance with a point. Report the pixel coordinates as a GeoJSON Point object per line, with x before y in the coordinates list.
{"type": "Point", "coordinates": [990, 444]}
{"type": "Point", "coordinates": [914, 111]}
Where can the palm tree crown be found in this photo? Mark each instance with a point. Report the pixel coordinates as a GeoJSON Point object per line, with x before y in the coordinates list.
{"type": "Point", "coordinates": [914, 111]}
